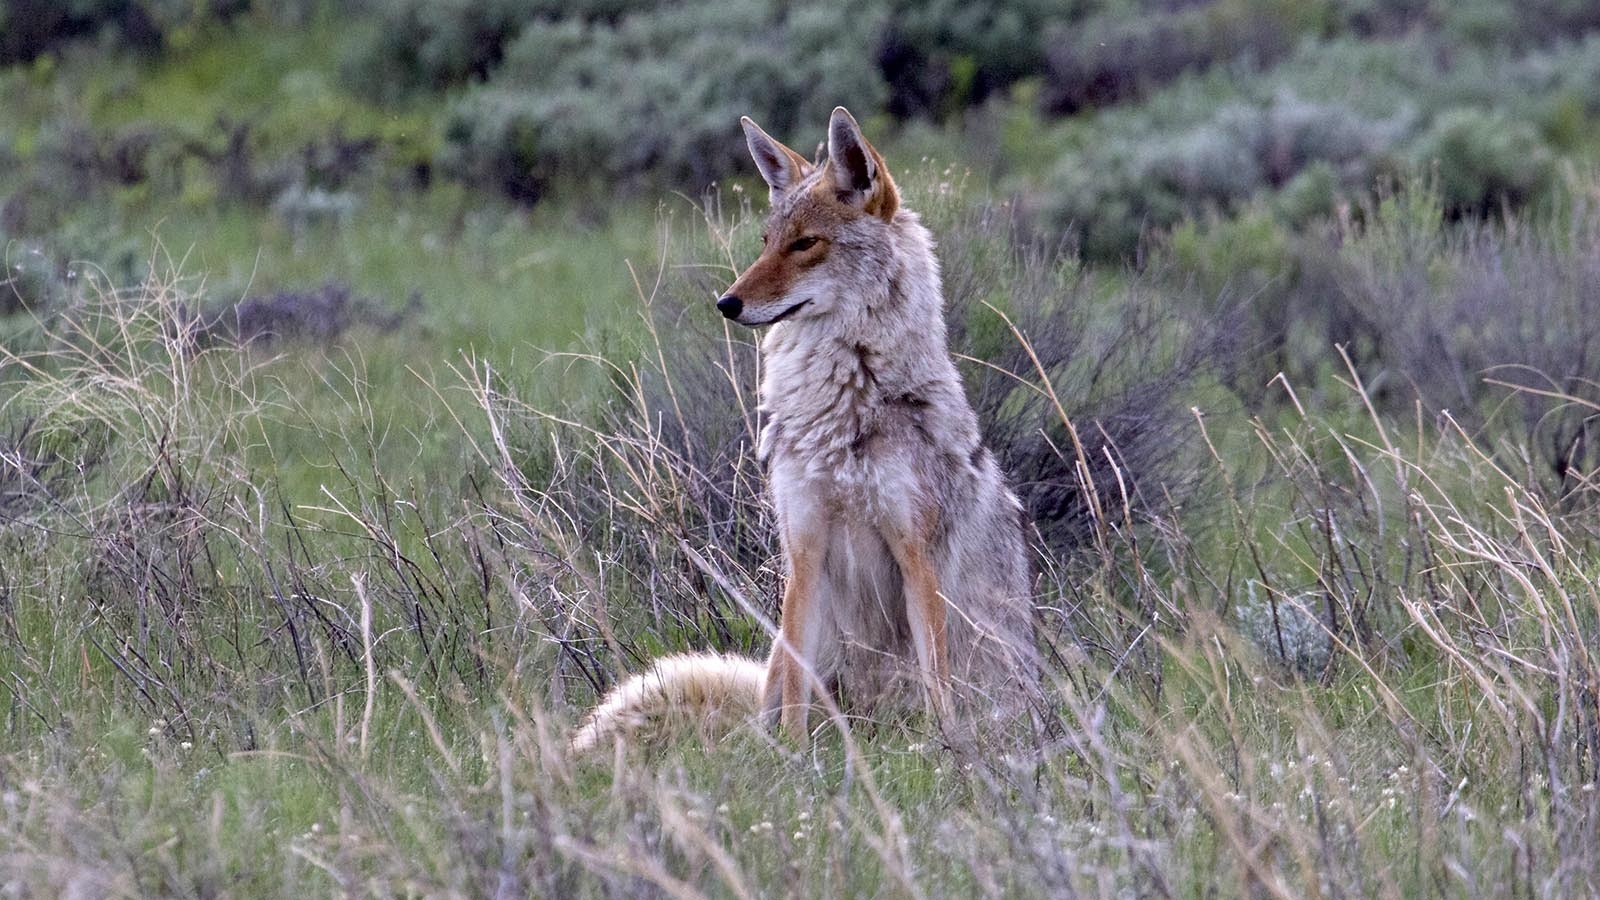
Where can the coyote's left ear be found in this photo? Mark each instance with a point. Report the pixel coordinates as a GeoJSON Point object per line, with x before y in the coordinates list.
{"type": "Point", "coordinates": [780, 167]}
{"type": "Point", "coordinates": [858, 171]}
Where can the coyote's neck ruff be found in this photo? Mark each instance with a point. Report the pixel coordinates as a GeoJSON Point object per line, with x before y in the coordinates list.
{"type": "Point", "coordinates": [840, 382]}
{"type": "Point", "coordinates": [905, 550]}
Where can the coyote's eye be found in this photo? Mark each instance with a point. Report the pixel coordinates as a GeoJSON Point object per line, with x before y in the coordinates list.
{"type": "Point", "coordinates": [805, 243]}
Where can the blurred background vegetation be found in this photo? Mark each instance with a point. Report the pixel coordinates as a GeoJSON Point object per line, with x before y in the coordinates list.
{"type": "Point", "coordinates": [1112, 122]}
{"type": "Point", "coordinates": [477, 175]}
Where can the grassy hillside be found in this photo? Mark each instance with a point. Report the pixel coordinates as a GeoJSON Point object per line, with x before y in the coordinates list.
{"type": "Point", "coordinates": [362, 417]}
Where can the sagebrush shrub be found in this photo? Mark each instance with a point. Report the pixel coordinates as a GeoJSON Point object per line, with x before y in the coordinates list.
{"type": "Point", "coordinates": [1114, 57]}
{"type": "Point", "coordinates": [1485, 160]}
{"type": "Point", "coordinates": [659, 93]}
{"type": "Point", "coordinates": [941, 57]}
{"type": "Point", "coordinates": [1140, 178]}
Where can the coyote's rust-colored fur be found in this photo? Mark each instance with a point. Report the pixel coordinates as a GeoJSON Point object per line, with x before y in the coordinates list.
{"type": "Point", "coordinates": [904, 549]}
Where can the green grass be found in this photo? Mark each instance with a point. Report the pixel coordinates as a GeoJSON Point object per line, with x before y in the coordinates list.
{"type": "Point", "coordinates": [497, 284]}
{"type": "Point", "coordinates": [374, 681]}
{"type": "Point", "coordinates": [303, 619]}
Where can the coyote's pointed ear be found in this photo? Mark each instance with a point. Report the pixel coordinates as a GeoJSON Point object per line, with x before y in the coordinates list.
{"type": "Point", "coordinates": [858, 171]}
{"type": "Point", "coordinates": [781, 167]}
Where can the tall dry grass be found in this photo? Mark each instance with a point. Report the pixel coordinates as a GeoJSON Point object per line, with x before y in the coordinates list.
{"type": "Point", "coordinates": [1326, 650]}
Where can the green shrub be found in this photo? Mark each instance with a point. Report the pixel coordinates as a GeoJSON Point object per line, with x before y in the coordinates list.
{"type": "Point", "coordinates": [1498, 23]}
{"type": "Point", "coordinates": [1115, 57]}
{"type": "Point", "coordinates": [1138, 179]}
{"type": "Point", "coordinates": [1349, 112]}
{"type": "Point", "coordinates": [659, 93]}
{"type": "Point", "coordinates": [940, 57]}
{"type": "Point", "coordinates": [1312, 194]}
{"type": "Point", "coordinates": [29, 28]}
{"type": "Point", "coordinates": [423, 45]}
{"type": "Point", "coordinates": [1485, 159]}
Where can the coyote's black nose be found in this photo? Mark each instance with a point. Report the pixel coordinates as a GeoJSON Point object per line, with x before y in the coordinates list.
{"type": "Point", "coordinates": [730, 306]}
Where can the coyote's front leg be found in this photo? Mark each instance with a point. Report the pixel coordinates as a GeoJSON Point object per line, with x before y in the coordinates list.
{"type": "Point", "coordinates": [791, 667]}
{"type": "Point", "coordinates": [925, 612]}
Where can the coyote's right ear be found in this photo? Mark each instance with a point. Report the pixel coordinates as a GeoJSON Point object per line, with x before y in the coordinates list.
{"type": "Point", "coordinates": [781, 167]}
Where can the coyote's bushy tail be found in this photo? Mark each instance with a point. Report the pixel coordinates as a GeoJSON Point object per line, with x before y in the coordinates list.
{"type": "Point", "coordinates": [708, 691]}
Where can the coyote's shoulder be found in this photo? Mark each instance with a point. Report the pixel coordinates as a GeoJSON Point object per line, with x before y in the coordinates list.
{"type": "Point", "coordinates": [904, 549]}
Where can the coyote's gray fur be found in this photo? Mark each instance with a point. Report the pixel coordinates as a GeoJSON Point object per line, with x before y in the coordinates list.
{"type": "Point", "coordinates": [905, 551]}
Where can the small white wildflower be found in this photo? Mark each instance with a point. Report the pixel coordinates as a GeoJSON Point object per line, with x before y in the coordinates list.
{"type": "Point", "coordinates": [1587, 788]}
{"type": "Point", "coordinates": [803, 816]}
{"type": "Point", "coordinates": [800, 835]}
{"type": "Point", "coordinates": [187, 745]}
{"type": "Point", "coordinates": [722, 809]}
{"type": "Point", "coordinates": [316, 827]}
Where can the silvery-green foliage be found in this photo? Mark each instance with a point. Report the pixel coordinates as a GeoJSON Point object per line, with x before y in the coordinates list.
{"type": "Point", "coordinates": [1485, 158]}
{"type": "Point", "coordinates": [939, 57]}
{"type": "Point", "coordinates": [1291, 629]}
{"type": "Point", "coordinates": [1141, 178]}
{"type": "Point", "coordinates": [660, 92]}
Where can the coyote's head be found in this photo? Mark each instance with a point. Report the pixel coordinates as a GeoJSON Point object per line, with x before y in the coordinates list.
{"type": "Point", "coordinates": [829, 222]}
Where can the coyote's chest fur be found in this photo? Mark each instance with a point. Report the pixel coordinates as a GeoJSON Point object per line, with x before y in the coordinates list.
{"type": "Point", "coordinates": [828, 410]}
{"type": "Point", "coordinates": [868, 438]}
{"type": "Point", "coordinates": [864, 405]}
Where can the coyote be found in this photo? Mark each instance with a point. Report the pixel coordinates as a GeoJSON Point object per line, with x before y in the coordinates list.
{"type": "Point", "coordinates": [905, 551]}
